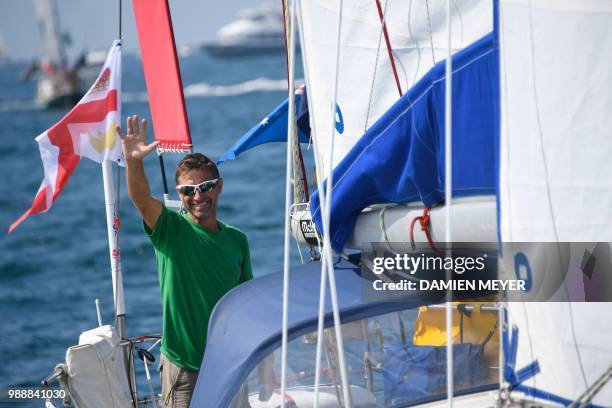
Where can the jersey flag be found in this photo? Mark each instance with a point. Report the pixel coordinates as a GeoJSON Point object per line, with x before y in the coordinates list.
{"type": "Point", "coordinates": [88, 130]}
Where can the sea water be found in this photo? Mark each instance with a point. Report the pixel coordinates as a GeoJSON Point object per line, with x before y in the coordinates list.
{"type": "Point", "coordinates": [54, 265]}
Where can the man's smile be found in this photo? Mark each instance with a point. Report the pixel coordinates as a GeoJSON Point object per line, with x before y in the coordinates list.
{"type": "Point", "coordinates": [201, 205]}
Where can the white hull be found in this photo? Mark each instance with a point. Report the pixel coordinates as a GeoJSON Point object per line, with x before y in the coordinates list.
{"type": "Point", "coordinates": [299, 397]}
{"type": "Point", "coordinates": [304, 397]}
{"type": "Point", "coordinates": [61, 89]}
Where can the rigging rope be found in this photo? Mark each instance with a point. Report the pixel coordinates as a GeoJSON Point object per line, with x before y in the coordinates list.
{"type": "Point", "coordinates": [389, 49]}
{"type": "Point", "coordinates": [367, 116]}
{"type": "Point", "coordinates": [448, 189]}
{"type": "Point", "coordinates": [590, 393]}
{"type": "Point", "coordinates": [327, 267]}
{"type": "Point", "coordinates": [286, 250]}
{"type": "Point", "coordinates": [418, 48]}
{"type": "Point", "coordinates": [317, 178]}
{"type": "Point", "coordinates": [433, 56]}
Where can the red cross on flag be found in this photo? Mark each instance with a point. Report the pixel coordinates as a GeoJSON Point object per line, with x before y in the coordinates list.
{"type": "Point", "coordinates": [88, 130]}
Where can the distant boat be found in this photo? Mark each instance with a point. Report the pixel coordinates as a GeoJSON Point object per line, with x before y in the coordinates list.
{"type": "Point", "coordinates": [257, 31]}
{"type": "Point", "coordinates": [3, 52]}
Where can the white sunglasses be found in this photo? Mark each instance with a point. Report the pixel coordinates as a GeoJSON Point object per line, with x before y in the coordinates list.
{"type": "Point", "coordinates": [191, 189]}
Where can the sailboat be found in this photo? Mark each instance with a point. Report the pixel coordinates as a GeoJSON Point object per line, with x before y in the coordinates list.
{"type": "Point", "coordinates": [517, 124]}
{"type": "Point", "coordinates": [58, 85]}
{"type": "Point", "coordinates": [380, 360]}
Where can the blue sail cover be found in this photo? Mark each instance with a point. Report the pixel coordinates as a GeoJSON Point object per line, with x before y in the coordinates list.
{"type": "Point", "coordinates": [273, 128]}
{"type": "Point", "coordinates": [401, 157]}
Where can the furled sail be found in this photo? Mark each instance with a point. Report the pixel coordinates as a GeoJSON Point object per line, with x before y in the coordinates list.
{"type": "Point", "coordinates": [401, 157]}
{"type": "Point", "coordinates": [556, 177]}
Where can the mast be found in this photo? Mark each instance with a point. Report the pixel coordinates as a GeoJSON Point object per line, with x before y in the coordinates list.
{"type": "Point", "coordinates": [290, 141]}
{"type": "Point", "coordinates": [113, 225]}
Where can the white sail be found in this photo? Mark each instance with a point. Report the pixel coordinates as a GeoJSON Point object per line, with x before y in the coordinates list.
{"type": "Point", "coordinates": [367, 86]}
{"type": "Point", "coordinates": [556, 174]}
{"type": "Point", "coordinates": [48, 25]}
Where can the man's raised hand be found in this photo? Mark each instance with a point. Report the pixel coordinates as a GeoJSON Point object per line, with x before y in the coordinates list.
{"type": "Point", "coordinates": [134, 142]}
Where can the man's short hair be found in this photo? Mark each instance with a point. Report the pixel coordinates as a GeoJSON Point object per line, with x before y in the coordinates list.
{"type": "Point", "coordinates": [195, 161]}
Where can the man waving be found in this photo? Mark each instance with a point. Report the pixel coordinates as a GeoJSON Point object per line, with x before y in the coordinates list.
{"type": "Point", "coordinates": [199, 258]}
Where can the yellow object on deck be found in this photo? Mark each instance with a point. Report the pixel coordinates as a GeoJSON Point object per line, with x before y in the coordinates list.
{"type": "Point", "coordinates": [473, 327]}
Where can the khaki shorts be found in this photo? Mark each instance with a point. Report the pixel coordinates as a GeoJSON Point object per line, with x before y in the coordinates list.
{"type": "Point", "coordinates": [177, 384]}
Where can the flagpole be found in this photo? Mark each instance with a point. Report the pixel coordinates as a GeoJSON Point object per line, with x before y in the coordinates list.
{"type": "Point", "coordinates": [113, 225]}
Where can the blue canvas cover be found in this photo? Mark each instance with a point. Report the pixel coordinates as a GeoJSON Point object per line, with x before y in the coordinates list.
{"type": "Point", "coordinates": [273, 128]}
{"type": "Point", "coordinates": [246, 325]}
{"type": "Point", "coordinates": [401, 157]}
{"type": "Point", "coordinates": [418, 372]}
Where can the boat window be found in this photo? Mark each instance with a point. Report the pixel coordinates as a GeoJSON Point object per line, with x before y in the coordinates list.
{"type": "Point", "coordinates": [392, 360]}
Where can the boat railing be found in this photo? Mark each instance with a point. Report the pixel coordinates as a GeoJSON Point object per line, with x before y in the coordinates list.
{"type": "Point", "coordinates": [133, 348]}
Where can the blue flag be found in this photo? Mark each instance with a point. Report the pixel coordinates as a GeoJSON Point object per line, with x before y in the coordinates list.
{"type": "Point", "coordinates": [273, 128]}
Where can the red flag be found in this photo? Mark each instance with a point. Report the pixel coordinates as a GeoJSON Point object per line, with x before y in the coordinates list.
{"type": "Point", "coordinates": [162, 75]}
{"type": "Point", "coordinates": [88, 130]}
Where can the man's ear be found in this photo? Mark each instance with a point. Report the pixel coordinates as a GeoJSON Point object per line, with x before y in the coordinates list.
{"type": "Point", "coordinates": [220, 186]}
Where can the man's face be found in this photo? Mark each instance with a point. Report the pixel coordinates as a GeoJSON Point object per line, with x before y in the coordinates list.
{"type": "Point", "coordinates": [202, 206]}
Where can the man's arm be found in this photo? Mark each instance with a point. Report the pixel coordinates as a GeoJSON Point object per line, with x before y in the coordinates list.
{"type": "Point", "coordinates": [135, 150]}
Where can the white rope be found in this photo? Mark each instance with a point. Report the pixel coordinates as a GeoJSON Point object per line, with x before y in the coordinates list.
{"type": "Point", "coordinates": [290, 129]}
{"type": "Point", "coordinates": [433, 55]}
{"type": "Point", "coordinates": [380, 36]}
{"type": "Point", "coordinates": [418, 48]}
{"type": "Point", "coordinates": [504, 323]}
{"type": "Point", "coordinates": [383, 227]}
{"type": "Point", "coordinates": [319, 178]}
{"type": "Point", "coordinates": [326, 216]}
{"type": "Point", "coordinates": [326, 253]}
{"type": "Point", "coordinates": [448, 150]}
{"type": "Point", "coordinates": [322, 288]}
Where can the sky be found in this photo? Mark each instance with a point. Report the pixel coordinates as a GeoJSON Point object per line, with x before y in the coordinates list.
{"type": "Point", "coordinates": [93, 24]}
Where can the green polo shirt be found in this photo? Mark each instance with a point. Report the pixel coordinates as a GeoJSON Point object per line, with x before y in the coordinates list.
{"type": "Point", "coordinates": [196, 268]}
